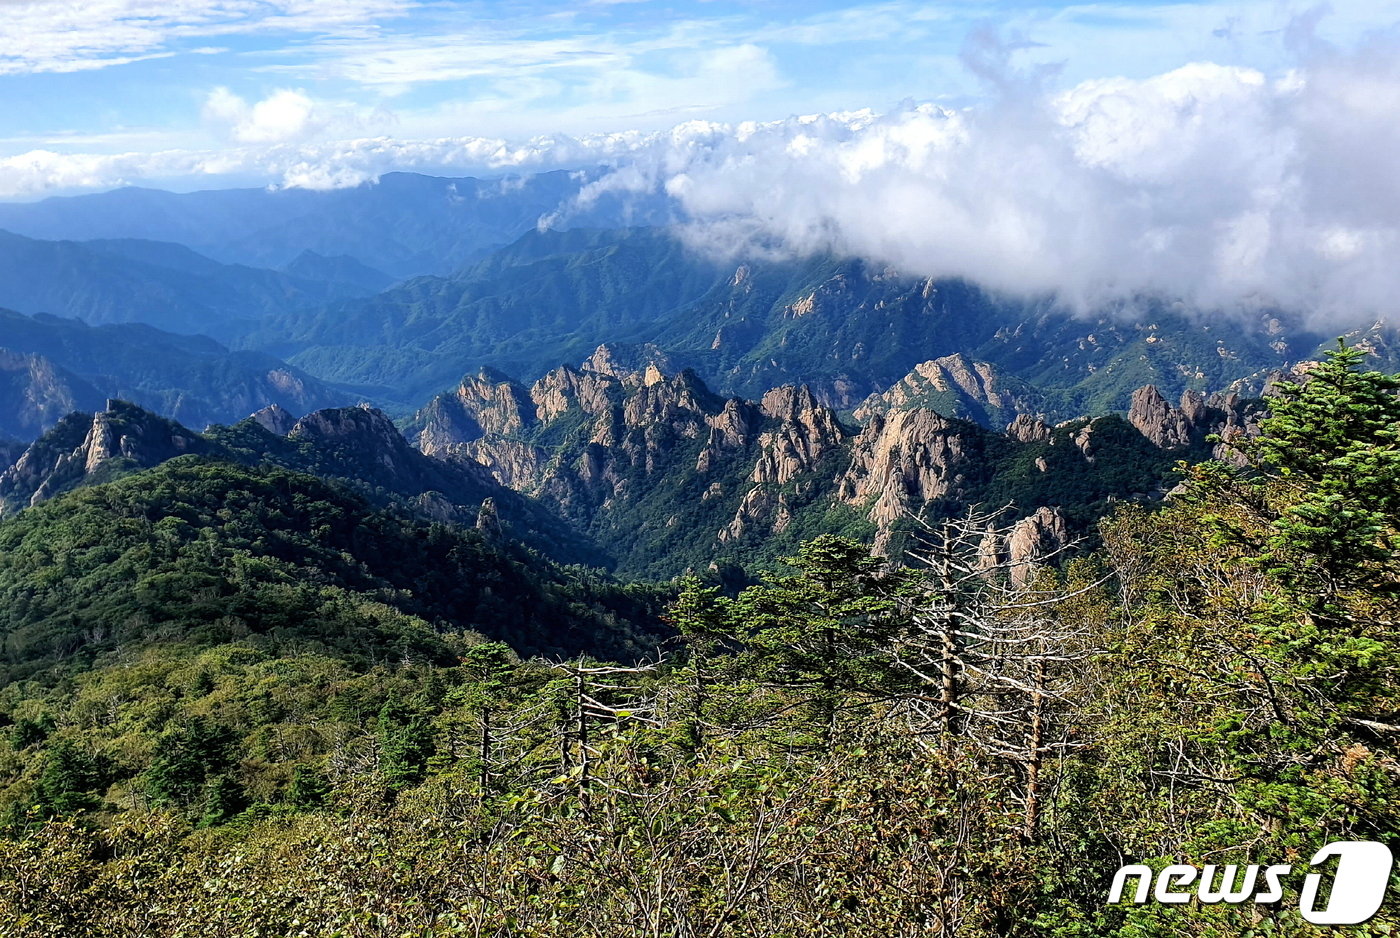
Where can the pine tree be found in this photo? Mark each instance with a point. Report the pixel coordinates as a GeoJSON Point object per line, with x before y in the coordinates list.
{"type": "Point", "coordinates": [309, 788]}
{"type": "Point", "coordinates": [223, 797]}
{"type": "Point", "coordinates": [406, 743]}
{"type": "Point", "coordinates": [1328, 462]}
{"type": "Point", "coordinates": [68, 780]}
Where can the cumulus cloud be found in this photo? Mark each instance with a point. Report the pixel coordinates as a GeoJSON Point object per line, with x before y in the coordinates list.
{"type": "Point", "coordinates": [1217, 186]}
{"type": "Point", "coordinates": [282, 116]}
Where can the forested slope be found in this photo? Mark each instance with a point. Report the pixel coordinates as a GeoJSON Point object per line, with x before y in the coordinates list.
{"type": "Point", "coordinates": [964, 746]}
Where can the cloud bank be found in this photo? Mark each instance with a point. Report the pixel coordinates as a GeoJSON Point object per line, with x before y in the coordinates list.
{"type": "Point", "coordinates": [1221, 187]}
{"type": "Point", "coordinates": [1216, 186]}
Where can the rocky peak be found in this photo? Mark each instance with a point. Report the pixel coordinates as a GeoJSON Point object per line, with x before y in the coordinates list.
{"type": "Point", "coordinates": [275, 419]}
{"type": "Point", "coordinates": [564, 387]}
{"type": "Point", "coordinates": [83, 445]}
{"type": "Point", "coordinates": [1166, 426]}
{"type": "Point", "coordinates": [955, 386]}
{"type": "Point", "coordinates": [1027, 429]}
{"type": "Point", "coordinates": [487, 402]}
{"type": "Point", "coordinates": [1035, 538]}
{"type": "Point", "coordinates": [788, 403]}
{"type": "Point", "coordinates": [35, 393]}
{"type": "Point", "coordinates": [673, 401]}
{"type": "Point", "coordinates": [730, 430]}
{"type": "Point", "coordinates": [364, 435]}
{"type": "Point", "coordinates": [488, 520]}
{"type": "Point", "coordinates": [806, 432]}
{"type": "Point", "coordinates": [904, 459]}
{"type": "Point", "coordinates": [494, 402]}
{"type": "Point", "coordinates": [339, 423]}
{"type": "Point", "coordinates": [628, 363]}
{"type": "Point", "coordinates": [1197, 416]}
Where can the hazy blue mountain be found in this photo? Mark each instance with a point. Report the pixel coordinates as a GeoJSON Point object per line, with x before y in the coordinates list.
{"type": "Point", "coordinates": [549, 297]}
{"type": "Point", "coordinates": [166, 285]}
{"type": "Point", "coordinates": [405, 224]}
{"type": "Point", "coordinates": [846, 328]}
{"type": "Point", "coordinates": [50, 366]}
{"type": "Point", "coordinates": [342, 270]}
{"type": "Point", "coordinates": [35, 393]}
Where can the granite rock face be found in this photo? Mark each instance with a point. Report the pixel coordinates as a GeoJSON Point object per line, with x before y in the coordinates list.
{"type": "Point", "coordinates": [275, 419]}
{"type": "Point", "coordinates": [905, 459]}
{"type": "Point", "coordinates": [1035, 538]}
{"type": "Point", "coordinates": [1196, 416]}
{"type": "Point", "coordinates": [649, 459]}
{"type": "Point", "coordinates": [81, 446]}
{"type": "Point", "coordinates": [956, 386]}
{"type": "Point", "coordinates": [1027, 429]}
{"type": "Point", "coordinates": [598, 441]}
{"type": "Point", "coordinates": [1166, 426]}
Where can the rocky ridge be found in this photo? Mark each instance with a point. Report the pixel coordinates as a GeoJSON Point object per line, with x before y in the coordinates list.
{"type": "Point", "coordinates": [83, 448]}
{"type": "Point", "coordinates": [652, 461]}
{"type": "Point", "coordinates": [358, 446]}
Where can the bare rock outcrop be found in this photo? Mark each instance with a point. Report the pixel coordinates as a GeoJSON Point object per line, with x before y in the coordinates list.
{"type": "Point", "coordinates": [1027, 429]}
{"type": "Point", "coordinates": [954, 386]}
{"type": "Point", "coordinates": [763, 509]}
{"type": "Point", "coordinates": [485, 403]}
{"type": "Point", "coordinates": [1166, 426]}
{"type": "Point", "coordinates": [276, 419]}
{"type": "Point", "coordinates": [905, 459]}
{"type": "Point", "coordinates": [565, 388]}
{"type": "Point", "coordinates": [806, 432]}
{"type": "Point", "coordinates": [1035, 538]}
{"type": "Point", "coordinates": [81, 446]}
{"type": "Point", "coordinates": [628, 363]}
{"type": "Point", "coordinates": [1196, 417]}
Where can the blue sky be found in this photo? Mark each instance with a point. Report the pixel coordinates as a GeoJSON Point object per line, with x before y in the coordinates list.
{"type": "Point", "coordinates": [82, 82]}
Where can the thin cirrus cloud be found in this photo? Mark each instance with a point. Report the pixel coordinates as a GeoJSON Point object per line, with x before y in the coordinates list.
{"type": "Point", "coordinates": [67, 36]}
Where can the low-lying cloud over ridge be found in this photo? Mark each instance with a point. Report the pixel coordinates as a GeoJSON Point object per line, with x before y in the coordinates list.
{"type": "Point", "coordinates": [1218, 186]}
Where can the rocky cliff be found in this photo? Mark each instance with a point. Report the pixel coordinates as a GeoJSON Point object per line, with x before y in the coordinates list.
{"type": "Point", "coordinates": [35, 393]}
{"type": "Point", "coordinates": [957, 386]}
{"type": "Point", "coordinates": [642, 458]}
{"type": "Point", "coordinates": [83, 448]}
{"type": "Point", "coordinates": [653, 463]}
{"type": "Point", "coordinates": [1196, 417]}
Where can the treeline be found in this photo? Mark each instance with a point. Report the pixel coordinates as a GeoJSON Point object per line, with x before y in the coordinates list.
{"type": "Point", "coordinates": [958, 746]}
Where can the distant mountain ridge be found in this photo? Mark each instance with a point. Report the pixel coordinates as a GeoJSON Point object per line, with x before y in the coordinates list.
{"type": "Point", "coordinates": [404, 224]}
{"type": "Point", "coordinates": [51, 366]}
{"type": "Point", "coordinates": [845, 328]}
{"type": "Point", "coordinates": [167, 285]}
{"type": "Point", "coordinates": [355, 446]}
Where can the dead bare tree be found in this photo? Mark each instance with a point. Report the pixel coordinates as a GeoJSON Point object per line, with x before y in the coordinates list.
{"type": "Point", "coordinates": [992, 661]}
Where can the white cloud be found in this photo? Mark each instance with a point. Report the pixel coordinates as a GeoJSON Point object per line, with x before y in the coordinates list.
{"type": "Point", "coordinates": [1219, 186]}
{"type": "Point", "coordinates": [1213, 185]}
{"type": "Point", "coordinates": [284, 115]}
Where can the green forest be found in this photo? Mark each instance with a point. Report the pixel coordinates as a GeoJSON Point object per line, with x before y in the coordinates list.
{"type": "Point", "coordinates": [242, 701]}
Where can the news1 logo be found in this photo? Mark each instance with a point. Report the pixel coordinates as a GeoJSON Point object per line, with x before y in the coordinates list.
{"type": "Point", "coordinates": [1358, 886]}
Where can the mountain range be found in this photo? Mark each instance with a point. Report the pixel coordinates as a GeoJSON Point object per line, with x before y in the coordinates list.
{"type": "Point", "coordinates": [630, 402]}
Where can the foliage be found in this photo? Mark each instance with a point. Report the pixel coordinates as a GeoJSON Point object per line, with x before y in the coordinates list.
{"type": "Point", "coordinates": [1214, 685]}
